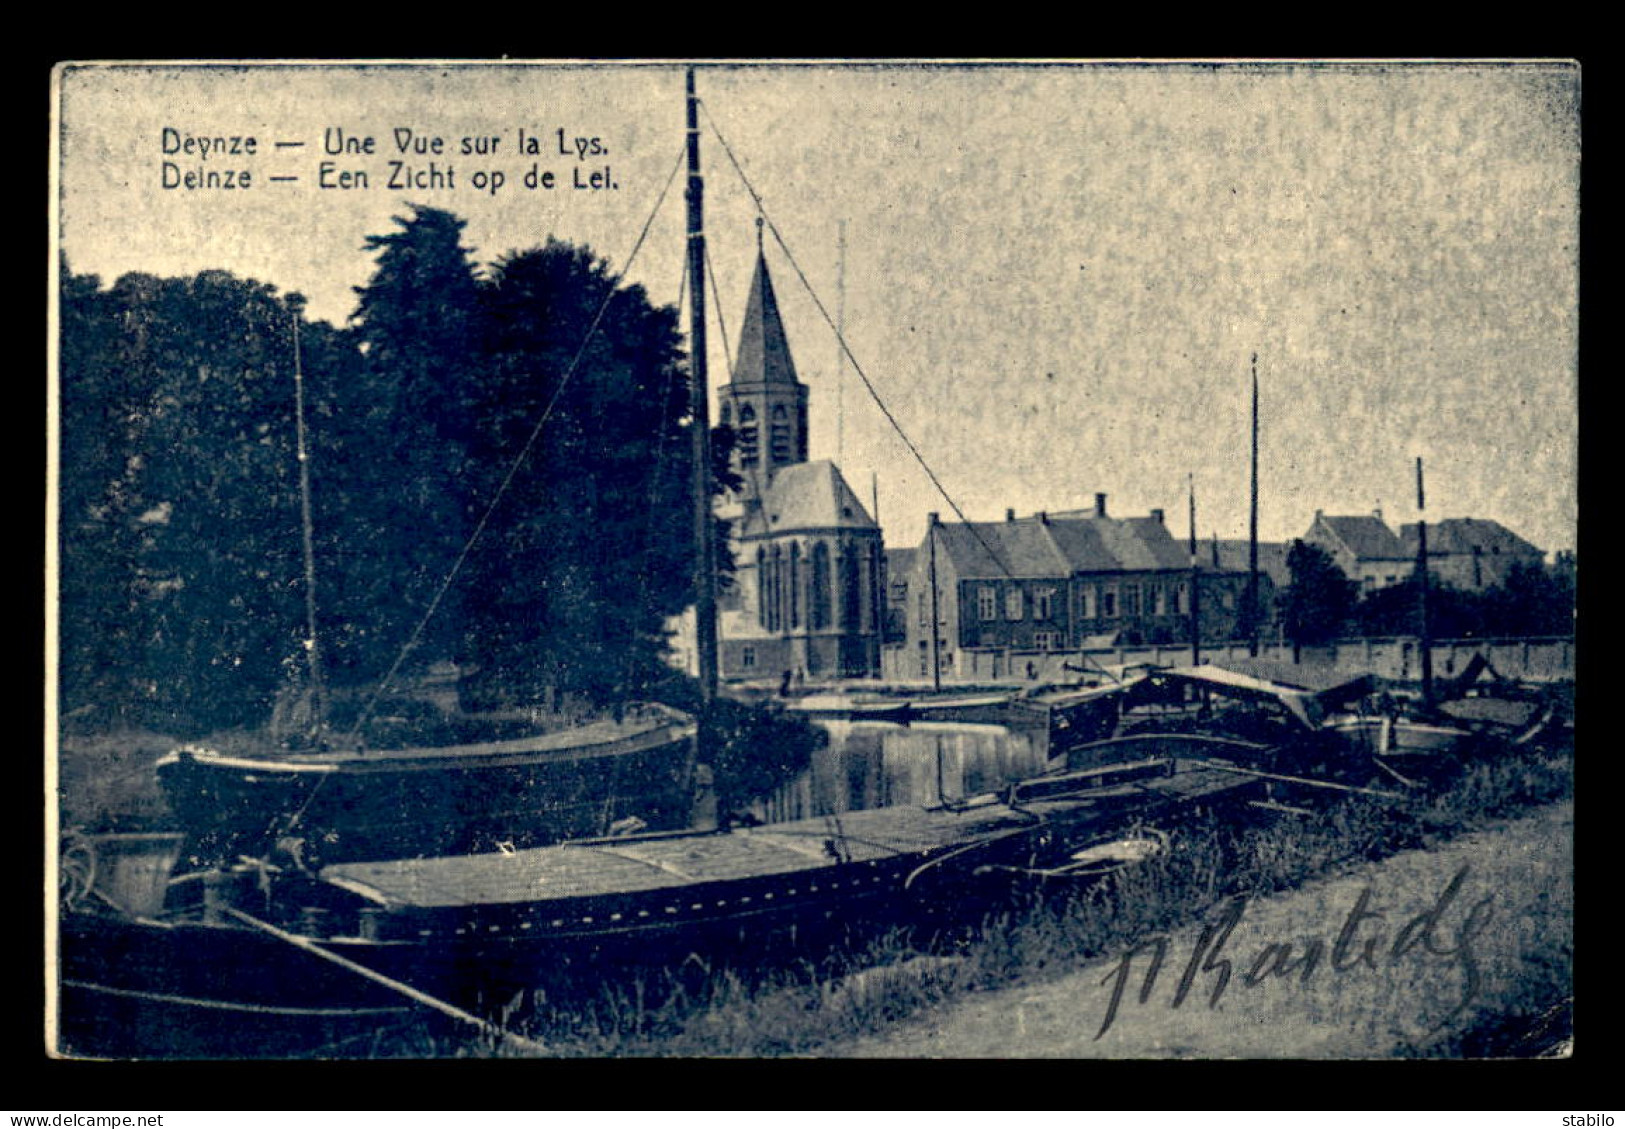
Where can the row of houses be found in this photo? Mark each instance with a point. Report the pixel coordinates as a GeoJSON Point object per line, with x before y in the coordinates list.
{"type": "Point", "coordinates": [816, 595]}
{"type": "Point", "coordinates": [1467, 553]}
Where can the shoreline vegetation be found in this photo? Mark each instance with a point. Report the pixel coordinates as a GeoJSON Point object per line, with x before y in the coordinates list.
{"type": "Point", "coordinates": [893, 985]}
{"type": "Point", "coordinates": [852, 1002]}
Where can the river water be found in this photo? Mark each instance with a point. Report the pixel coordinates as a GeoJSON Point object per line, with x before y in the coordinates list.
{"type": "Point", "coordinates": [869, 764]}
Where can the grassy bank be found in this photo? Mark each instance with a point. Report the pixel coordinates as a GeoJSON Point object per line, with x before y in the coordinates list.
{"type": "Point", "coordinates": [893, 980]}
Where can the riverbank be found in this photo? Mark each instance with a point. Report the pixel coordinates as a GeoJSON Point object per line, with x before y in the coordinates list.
{"type": "Point", "coordinates": [1424, 954]}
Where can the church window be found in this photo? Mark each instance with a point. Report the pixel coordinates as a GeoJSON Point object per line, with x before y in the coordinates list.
{"type": "Point", "coordinates": [851, 591]}
{"type": "Point", "coordinates": [818, 590]}
{"type": "Point", "coordinates": [795, 587]}
{"type": "Point", "coordinates": [748, 454]}
{"type": "Point", "coordinates": [762, 586]}
{"type": "Point", "coordinates": [780, 435]}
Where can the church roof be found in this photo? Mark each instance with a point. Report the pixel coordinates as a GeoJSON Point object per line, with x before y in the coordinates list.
{"type": "Point", "coordinates": [807, 496]}
{"type": "Point", "coordinates": [764, 351]}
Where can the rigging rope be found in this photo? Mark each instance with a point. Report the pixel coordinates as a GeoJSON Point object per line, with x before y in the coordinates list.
{"type": "Point", "coordinates": [761, 210]}
{"type": "Point", "coordinates": [518, 460]}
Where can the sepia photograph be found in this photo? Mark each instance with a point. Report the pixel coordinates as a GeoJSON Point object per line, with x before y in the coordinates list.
{"type": "Point", "coordinates": [872, 559]}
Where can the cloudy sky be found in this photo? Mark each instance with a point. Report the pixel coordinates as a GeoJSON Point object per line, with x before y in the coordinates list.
{"type": "Point", "coordinates": [1055, 276]}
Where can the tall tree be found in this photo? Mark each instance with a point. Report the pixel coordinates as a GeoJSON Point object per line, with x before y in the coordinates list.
{"type": "Point", "coordinates": [590, 548]}
{"type": "Point", "coordinates": [1320, 598]}
{"type": "Point", "coordinates": [418, 324]}
{"type": "Point", "coordinates": [179, 544]}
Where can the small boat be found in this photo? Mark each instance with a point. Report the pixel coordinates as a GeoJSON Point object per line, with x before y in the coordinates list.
{"type": "Point", "coordinates": [581, 781]}
{"type": "Point", "coordinates": [852, 707]}
{"type": "Point", "coordinates": [1078, 715]}
{"type": "Point", "coordinates": [993, 707]}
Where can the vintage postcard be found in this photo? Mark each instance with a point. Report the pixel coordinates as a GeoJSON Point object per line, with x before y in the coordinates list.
{"type": "Point", "coordinates": [914, 558]}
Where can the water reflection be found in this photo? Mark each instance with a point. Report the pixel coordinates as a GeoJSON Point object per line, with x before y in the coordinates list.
{"type": "Point", "coordinates": [871, 764]}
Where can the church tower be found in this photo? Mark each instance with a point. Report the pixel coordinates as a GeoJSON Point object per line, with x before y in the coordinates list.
{"type": "Point", "coordinates": [764, 403]}
{"type": "Point", "coordinates": [809, 563]}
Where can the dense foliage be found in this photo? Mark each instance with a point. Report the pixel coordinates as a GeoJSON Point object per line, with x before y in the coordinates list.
{"type": "Point", "coordinates": [1322, 604]}
{"type": "Point", "coordinates": [182, 582]}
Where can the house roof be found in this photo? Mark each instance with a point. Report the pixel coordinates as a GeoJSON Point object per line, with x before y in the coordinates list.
{"type": "Point", "coordinates": [1060, 547]}
{"type": "Point", "coordinates": [1233, 558]}
{"type": "Point", "coordinates": [1366, 536]}
{"type": "Point", "coordinates": [764, 350]}
{"type": "Point", "coordinates": [806, 496]}
{"type": "Point", "coordinates": [899, 562]}
{"type": "Point", "coordinates": [1001, 548]}
{"type": "Point", "coordinates": [1464, 534]}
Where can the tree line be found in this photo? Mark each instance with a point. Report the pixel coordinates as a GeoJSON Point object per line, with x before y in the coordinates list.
{"type": "Point", "coordinates": [182, 585]}
{"type": "Point", "coordinates": [1321, 603]}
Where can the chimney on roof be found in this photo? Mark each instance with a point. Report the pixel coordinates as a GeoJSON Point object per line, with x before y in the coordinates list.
{"type": "Point", "coordinates": [1377, 513]}
{"type": "Point", "coordinates": [931, 518]}
{"type": "Point", "coordinates": [1009, 515]}
{"type": "Point", "coordinates": [1156, 516]}
{"type": "Point", "coordinates": [1043, 517]}
{"type": "Point", "coordinates": [1319, 514]}
{"type": "Point", "coordinates": [1100, 505]}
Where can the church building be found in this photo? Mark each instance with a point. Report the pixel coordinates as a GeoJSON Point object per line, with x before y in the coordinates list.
{"type": "Point", "coordinates": [807, 596]}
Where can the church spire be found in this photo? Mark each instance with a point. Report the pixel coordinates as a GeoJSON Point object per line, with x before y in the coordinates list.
{"type": "Point", "coordinates": [764, 351]}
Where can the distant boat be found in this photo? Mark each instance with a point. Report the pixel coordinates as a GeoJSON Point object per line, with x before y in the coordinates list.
{"type": "Point", "coordinates": [583, 780]}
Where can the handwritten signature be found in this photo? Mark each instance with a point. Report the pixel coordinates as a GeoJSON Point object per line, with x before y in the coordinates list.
{"type": "Point", "coordinates": [1364, 939]}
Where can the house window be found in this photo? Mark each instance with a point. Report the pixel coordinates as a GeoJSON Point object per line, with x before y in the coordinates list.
{"type": "Point", "coordinates": [747, 656]}
{"type": "Point", "coordinates": [1182, 599]}
{"type": "Point", "coordinates": [1044, 603]}
{"type": "Point", "coordinates": [1131, 599]}
{"type": "Point", "coordinates": [1159, 600]}
{"type": "Point", "coordinates": [1086, 602]}
{"type": "Point", "coordinates": [987, 603]}
{"type": "Point", "coordinates": [924, 619]}
{"type": "Point", "coordinates": [1014, 600]}
{"type": "Point", "coordinates": [1046, 640]}
{"type": "Point", "coordinates": [1108, 603]}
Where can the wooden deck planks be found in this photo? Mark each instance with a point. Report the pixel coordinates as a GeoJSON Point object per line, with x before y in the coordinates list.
{"type": "Point", "coordinates": [637, 865]}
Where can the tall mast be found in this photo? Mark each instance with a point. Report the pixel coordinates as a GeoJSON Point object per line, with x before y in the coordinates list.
{"type": "Point", "coordinates": [879, 614]}
{"type": "Point", "coordinates": [1422, 588]}
{"type": "Point", "coordinates": [313, 653]}
{"type": "Point", "coordinates": [1196, 587]}
{"type": "Point", "coordinates": [936, 664]}
{"type": "Point", "coordinates": [1252, 533]}
{"type": "Point", "coordinates": [705, 601]}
